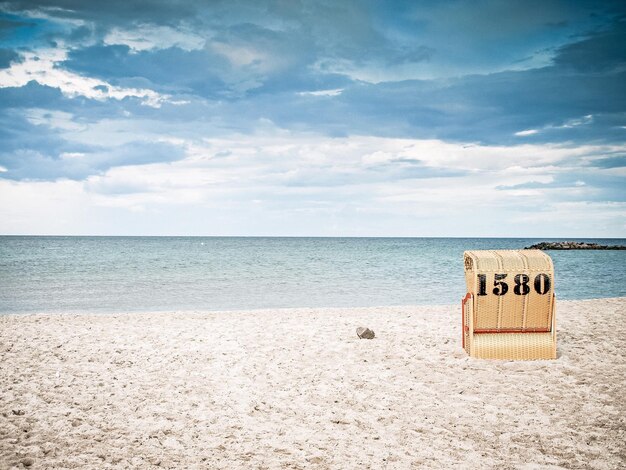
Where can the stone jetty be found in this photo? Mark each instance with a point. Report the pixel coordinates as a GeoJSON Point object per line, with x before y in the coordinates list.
{"type": "Point", "coordinates": [573, 246]}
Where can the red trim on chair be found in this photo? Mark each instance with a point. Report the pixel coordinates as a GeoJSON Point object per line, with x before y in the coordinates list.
{"type": "Point", "coordinates": [463, 328]}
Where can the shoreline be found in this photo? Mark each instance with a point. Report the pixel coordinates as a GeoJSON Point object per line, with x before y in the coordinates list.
{"type": "Point", "coordinates": [252, 311]}
{"type": "Point", "coordinates": [296, 388]}
{"type": "Point", "coordinates": [195, 311]}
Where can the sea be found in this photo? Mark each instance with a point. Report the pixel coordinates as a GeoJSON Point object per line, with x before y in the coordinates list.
{"type": "Point", "coordinates": [137, 274]}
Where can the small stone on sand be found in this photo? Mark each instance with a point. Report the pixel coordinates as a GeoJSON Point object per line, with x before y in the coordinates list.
{"type": "Point", "coordinates": [365, 333]}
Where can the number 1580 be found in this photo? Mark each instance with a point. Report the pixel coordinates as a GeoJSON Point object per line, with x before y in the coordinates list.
{"type": "Point", "coordinates": [541, 284]}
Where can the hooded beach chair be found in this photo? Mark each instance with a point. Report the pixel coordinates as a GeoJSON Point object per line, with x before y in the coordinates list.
{"type": "Point", "coordinates": [509, 309]}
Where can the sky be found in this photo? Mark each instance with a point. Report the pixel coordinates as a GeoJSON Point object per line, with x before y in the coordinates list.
{"type": "Point", "coordinates": [464, 118]}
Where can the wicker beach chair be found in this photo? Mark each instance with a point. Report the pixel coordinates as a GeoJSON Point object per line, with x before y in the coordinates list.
{"type": "Point", "coordinates": [509, 310]}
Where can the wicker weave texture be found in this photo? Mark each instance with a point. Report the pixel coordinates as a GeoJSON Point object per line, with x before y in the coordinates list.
{"type": "Point", "coordinates": [513, 346]}
{"type": "Point", "coordinates": [511, 313]}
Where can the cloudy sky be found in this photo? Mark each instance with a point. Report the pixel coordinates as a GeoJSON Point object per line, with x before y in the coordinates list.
{"type": "Point", "coordinates": [325, 118]}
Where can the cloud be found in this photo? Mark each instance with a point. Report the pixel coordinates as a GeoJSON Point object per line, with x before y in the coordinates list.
{"type": "Point", "coordinates": [32, 94]}
{"type": "Point", "coordinates": [148, 37]}
{"type": "Point", "coordinates": [196, 71]}
{"type": "Point", "coordinates": [329, 115]}
{"type": "Point", "coordinates": [274, 62]}
{"type": "Point", "coordinates": [35, 148]}
{"type": "Point", "coordinates": [334, 92]}
{"type": "Point", "coordinates": [602, 52]}
{"type": "Point", "coordinates": [594, 185]}
{"type": "Point", "coordinates": [41, 67]}
{"type": "Point", "coordinates": [107, 14]}
{"type": "Point", "coordinates": [8, 56]}
{"type": "Point", "coordinates": [346, 186]}
{"type": "Point", "coordinates": [493, 108]}
{"type": "Point", "coordinates": [526, 132]}
{"type": "Point", "coordinates": [275, 162]}
{"type": "Point", "coordinates": [610, 162]}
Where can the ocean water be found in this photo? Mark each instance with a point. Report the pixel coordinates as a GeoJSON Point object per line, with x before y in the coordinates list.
{"type": "Point", "coordinates": [126, 274]}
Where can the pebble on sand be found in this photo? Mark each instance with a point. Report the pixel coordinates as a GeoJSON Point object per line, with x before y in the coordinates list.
{"type": "Point", "coordinates": [365, 333]}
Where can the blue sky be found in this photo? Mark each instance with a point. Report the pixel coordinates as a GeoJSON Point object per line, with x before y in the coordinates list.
{"type": "Point", "coordinates": [321, 118]}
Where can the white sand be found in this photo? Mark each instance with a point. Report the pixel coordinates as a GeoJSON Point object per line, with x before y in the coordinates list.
{"type": "Point", "coordinates": [298, 389]}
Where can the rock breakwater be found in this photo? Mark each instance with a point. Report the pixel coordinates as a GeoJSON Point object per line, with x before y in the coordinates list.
{"type": "Point", "coordinates": [573, 246]}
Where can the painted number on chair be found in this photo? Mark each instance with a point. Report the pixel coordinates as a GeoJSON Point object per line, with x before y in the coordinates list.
{"type": "Point", "coordinates": [521, 286]}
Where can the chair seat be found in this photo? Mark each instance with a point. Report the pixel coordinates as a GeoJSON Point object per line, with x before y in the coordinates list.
{"type": "Point", "coordinates": [514, 346]}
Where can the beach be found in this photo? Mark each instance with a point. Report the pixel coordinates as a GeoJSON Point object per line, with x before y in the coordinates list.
{"type": "Point", "coordinates": [296, 388]}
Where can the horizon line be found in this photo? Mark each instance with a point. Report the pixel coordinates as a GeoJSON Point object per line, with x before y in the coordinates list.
{"type": "Point", "coordinates": [313, 236]}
